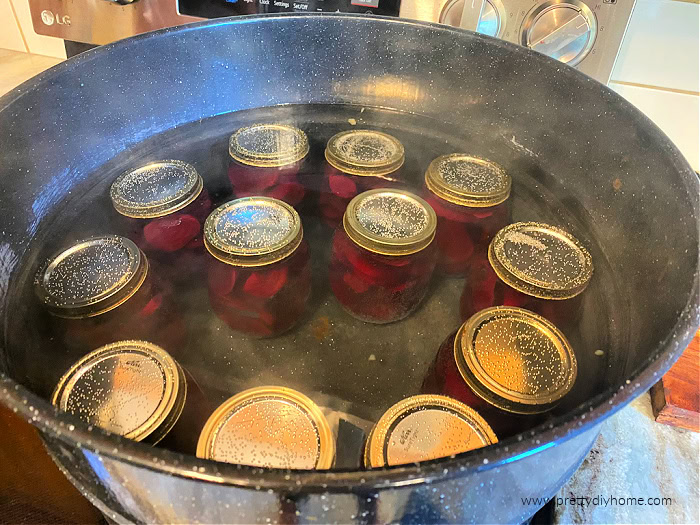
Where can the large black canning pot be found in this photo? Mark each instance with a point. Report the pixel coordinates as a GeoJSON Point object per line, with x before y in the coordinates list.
{"type": "Point", "coordinates": [613, 170]}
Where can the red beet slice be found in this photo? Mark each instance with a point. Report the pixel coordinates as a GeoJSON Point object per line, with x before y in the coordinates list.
{"type": "Point", "coordinates": [171, 233]}
{"type": "Point", "coordinates": [446, 210]}
{"type": "Point", "coordinates": [152, 306]}
{"type": "Point", "coordinates": [265, 283]}
{"type": "Point", "coordinates": [342, 186]}
{"type": "Point", "coordinates": [355, 283]}
{"type": "Point", "coordinates": [291, 192]}
{"type": "Point", "coordinates": [222, 279]}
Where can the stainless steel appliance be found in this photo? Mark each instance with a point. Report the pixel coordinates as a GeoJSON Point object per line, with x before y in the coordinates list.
{"type": "Point", "coordinates": [586, 34]}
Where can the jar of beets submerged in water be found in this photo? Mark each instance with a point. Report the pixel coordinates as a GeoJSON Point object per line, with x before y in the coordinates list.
{"type": "Point", "coordinates": [383, 256]}
{"type": "Point", "coordinates": [534, 266]}
{"type": "Point", "coordinates": [267, 160]}
{"type": "Point", "coordinates": [508, 364]}
{"type": "Point", "coordinates": [259, 275]}
{"type": "Point", "coordinates": [103, 289]}
{"type": "Point", "coordinates": [357, 161]}
{"type": "Point", "coordinates": [164, 205]}
{"type": "Point", "coordinates": [137, 390]}
{"type": "Point", "coordinates": [470, 197]}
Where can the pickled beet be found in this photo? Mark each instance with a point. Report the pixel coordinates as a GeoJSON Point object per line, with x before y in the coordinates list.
{"type": "Point", "coordinates": [463, 231]}
{"type": "Point", "coordinates": [149, 314]}
{"type": "Point", "coordinates": [339, 188]}
{"type": "Point", "coordinates": [180, 230]}
{"type": "Point", "coordinates": [264, 300]}
{"type": "Point", "coordinates": [378, 288]}
{"type": "Point", "coordinates": [277, 182]}
{"type": "Point", "coordinates": [172, 232]}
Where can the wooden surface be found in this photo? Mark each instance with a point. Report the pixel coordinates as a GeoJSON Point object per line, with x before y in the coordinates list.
{"type": "Point", "coordinates": [676, 398]}
{"type": "Point", "coordinates": [32, 489]}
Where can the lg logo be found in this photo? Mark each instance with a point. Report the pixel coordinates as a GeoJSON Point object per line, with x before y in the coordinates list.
{"type": "Point", "coordinates": [49, 18]}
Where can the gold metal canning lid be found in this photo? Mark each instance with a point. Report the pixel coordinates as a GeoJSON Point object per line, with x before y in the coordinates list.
{"type": "Point", "coordinates": [365, 152]}
{"type": "Point", "coordinates": [156, 189]}
{"type": "Point", "coordinates": [132, 388]}
{"type": "Point", "coordinates": [425, 427]}
{"type": "Point", "coordinates": [268, 145]}
{"type": "Point", "coordinates": [253, 231]}
{"type": "Point", "coordinates": [390, 222]}
{"type": "Point", "coordinates": [270, 426]}
{"type": "Point", "coordinates": [540, 260]}
{"type": "Point", "coordinates": [91, 277]}
{"type": "Point", "coordinates": [468, 180]}
{"type": "Point", "coordinates": [515, 360]}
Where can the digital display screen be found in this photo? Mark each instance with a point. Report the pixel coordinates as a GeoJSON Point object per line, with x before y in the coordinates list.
{"type": "Point", "coordinates": [219, 8]}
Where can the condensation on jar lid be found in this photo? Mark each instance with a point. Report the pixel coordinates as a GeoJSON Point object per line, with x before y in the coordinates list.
{"type": "Point", "coordinates": [390, 222]}
{"type": "Point", "coordinates": [425, 427]}
{"type": "Point", "coordinates": [515, 359]}
{"type": "Point", "coordinates": [253, 231]}
{"type": "Point", "coordinates": [268, 145]}
{"type": "Point", "coordinates": [540, 260]}
{"type": "Point", "coordinates": [156, 189]}
{"type": "Point", "coordinates": [468, 180]}
{"type": "Point", "coordinates": [365, 152]}
{"type": "Point", "coordinates": [132, 388]}
{"type": "Point", "coordinates": [269, 426]}
{"type": "Point", "coordinates": [91, 277]}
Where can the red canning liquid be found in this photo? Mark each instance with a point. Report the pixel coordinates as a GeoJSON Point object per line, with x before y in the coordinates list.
{"type": "Point", "coordinates": [483, 288]}
{"type": "Point", "coordinates": [339, 188]}
{"type": "Point", "coordinates": [378, 288]}
{"type": "Point", "coordinates": [463, 232]}
{"type": "Point", "coordinates": [265, 300]}
{"type": "Point", "coordinates": [470, 197]}
{"type": "Point", "coordinates": [267, 160]}
{"type": "Point", "coordinates": [149, 314]}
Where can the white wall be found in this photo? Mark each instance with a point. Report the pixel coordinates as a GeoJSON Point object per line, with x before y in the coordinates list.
{"type": "Point", "coordinates": [658, 69]}
{"type": "Point", "coordinates": [17, 32]}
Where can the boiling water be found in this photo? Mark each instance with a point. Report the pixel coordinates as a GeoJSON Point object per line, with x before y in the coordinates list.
{"type": "Point", "coordinates": [344, 364]}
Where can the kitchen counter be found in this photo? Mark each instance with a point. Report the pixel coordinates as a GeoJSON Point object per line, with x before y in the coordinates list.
{"type": "Point", "coordinates": [634, 457]}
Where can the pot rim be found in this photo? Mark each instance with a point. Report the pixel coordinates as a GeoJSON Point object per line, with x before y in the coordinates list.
{"type": "Point", "coordinates": [71, 430]}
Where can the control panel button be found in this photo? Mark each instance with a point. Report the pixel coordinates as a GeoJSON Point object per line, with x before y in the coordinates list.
{"type": "Point", "coordinates": [562, 30]}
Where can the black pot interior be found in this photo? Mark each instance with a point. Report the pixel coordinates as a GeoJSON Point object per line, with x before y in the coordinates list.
{"type": "Point", "coordinates": [581, 158]}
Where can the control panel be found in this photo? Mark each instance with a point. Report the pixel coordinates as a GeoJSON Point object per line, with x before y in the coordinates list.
{"type": "Point", "coordinates": [219, 8]}
{"type": "Point", "coordinates": [586, 34]}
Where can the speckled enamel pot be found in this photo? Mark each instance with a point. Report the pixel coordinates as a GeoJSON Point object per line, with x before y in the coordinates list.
{"type": "Point", "coordinates": [632, 188]}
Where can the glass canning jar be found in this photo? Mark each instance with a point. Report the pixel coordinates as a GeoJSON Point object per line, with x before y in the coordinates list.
{"type": "Point", "coordinates": [102, 290]}
{"type": "Point", "coordinates": [470, 197]}
{"type": "Point", "coordinates": [382, 256]}
{"type": "Point", "coordinates": [357, 161]}
{"type": "Point", "coordinates": [425, 427]}
{"type": "Point", "coordinates": [137, 390]}
{"type": "Point", "coordinates": [534, 266]}
{"type": "Point", "coordinates": [509, 364]}
{"type": "Point", "coordinates": [259, 275]}
{"type": "Point", "coordinates": [164, 205]}
{"type": "Point", "coordinates": [273, 427]}
{"type": "Point", "coordinates": [267, 160]}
